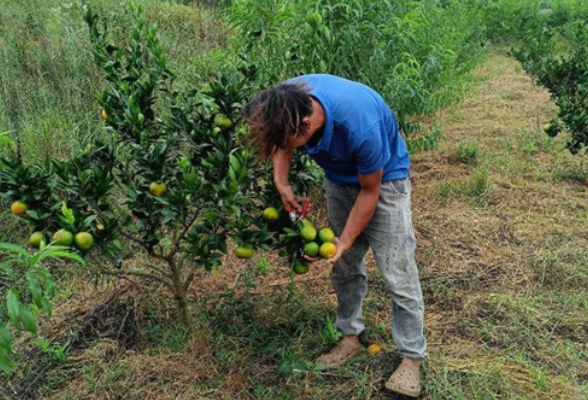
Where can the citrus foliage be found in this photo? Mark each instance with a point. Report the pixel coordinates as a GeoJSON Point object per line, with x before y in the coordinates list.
{"type": "Point", "coordinates": [29, 291]}
{"type": "Point", "coordinates": [565, 74]}
{"type": "Point", "coordinates": [414, 53]}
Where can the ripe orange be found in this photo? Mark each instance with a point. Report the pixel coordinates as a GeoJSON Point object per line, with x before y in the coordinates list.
{"type": "Point", "coordinates": [374, 349]}
{"type": "Point", "coordinates": [157, 189]}
{"type": "Point", "coordinates": [327, 250]}
{"type": "Point", "coordinates": [19, 207]}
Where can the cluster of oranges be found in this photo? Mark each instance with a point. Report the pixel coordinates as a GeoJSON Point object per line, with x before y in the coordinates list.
{"type": "Point", "coordinates": [315, 242]}
{"type": "Point", "coordinates": [83, 240]}
{"type": "Point", "coordinates": [319, 242]}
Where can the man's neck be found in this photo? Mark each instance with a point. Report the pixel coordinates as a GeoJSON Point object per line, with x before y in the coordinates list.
{"type": "Point", "coordinates": [318, 119]}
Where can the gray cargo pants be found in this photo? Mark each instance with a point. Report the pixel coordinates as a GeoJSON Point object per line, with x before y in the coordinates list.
{"type": "Point", "coordinates": [392, 239]}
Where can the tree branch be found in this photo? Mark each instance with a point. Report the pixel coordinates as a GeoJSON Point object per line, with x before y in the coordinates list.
{"type": "Point", "coordinates": [139, 242]}
{"type": "Point", "coordinates": [161, 271]}
{"type": "Point", "coordinates": [186, 229]}
{"type": "Point", "coordinates": [136, 272]}
{"type": "Point", "coordinates": [188, 280]}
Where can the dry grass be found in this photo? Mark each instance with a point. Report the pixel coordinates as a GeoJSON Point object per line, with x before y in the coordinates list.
{"type": "Point", "coordinates": [502, 252]}
{"type": "Point", "coordinates": [483, 268]}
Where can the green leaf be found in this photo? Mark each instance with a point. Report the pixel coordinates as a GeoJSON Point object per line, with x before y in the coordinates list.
{"type": "Point", "coordinates": [5, 363]}
{"type": "Point", "coordinates": [235, 163]}
{"type": "Point", "coordinates": [27, 319]}
{"type": "Point", "coordinates": [14, 248]}
{"type": "Point", "coordinates": [88, 221]}
{"type": "Point", "coordinates": [5, 140]}
{"type": "Point", "coordinates": [12, 306]}
{"type": "Point", "coordinates": [5, 338]}
{"type": "Point", "coordinates": [8, 271]}
{"type": "Point", "coordinates": [236, 210]}
{"type": "Point", "coordinates": [62, 254]}
{"type": "Point", "coordinates": [68, 214]}
{"type": "Point", "coordinates": [46, 304]}
{"type": "Point", "coordinates": [35, 288]}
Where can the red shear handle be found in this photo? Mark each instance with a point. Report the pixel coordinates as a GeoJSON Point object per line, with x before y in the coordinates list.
{"type": "Point", "coordinates": [305, 208]}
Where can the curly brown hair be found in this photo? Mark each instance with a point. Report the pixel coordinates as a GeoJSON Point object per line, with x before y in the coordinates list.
{"type": "Point", "coordinates": [275, 114]}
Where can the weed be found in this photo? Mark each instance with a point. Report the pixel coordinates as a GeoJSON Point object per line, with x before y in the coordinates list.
{"type": "Point", "coordinates": [467, 152]}
{"type": "Point", "coordinates": [263, 267]}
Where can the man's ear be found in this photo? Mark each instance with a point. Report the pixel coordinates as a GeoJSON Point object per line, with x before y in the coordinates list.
{"type": "Point", "coordinates": [306, 123]}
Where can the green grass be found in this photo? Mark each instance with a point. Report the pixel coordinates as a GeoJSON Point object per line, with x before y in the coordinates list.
{"type": "Point", "coordinates": [48, 81]}
{"type": "Point", "coordinates": [163, 335]}
{"type": "Point", "coordinates": [477, 189]}
{"type": "Point", "coordinates": [467, 152]}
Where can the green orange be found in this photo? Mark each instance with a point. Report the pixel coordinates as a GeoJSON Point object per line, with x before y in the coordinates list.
{"type": "Point", "coordinates": [311, 249]}
{"type": "Point", "coordinates": [308, 233]}
{"type": "Point", "coordinates": [304, 223]}
{"type": "Point", "coordinates": [271, 214]}
{"type": "Point", "coordinates": [222, 121]}
{"type": "Point", "coordinates": [300, 267]}
{"type": "Point", "coordinates": [244, 252]}
{"type": "Point", "coordinates": [63, 237]}
{"type": "Point", "coordinates": [326, 235]}
{"type": "Point", "coordinates": [36, 238]}
{"type": "Point", "coordinates": [84, 241]}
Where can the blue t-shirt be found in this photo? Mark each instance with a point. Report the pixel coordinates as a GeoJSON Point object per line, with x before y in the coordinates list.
{"type": "Point", "coordinates": [360, 135]}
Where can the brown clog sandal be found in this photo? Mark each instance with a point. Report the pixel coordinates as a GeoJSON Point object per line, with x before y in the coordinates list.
{"type": "Point", "coordinates": [347, 347]}
{"type": "Point", "coordinates": [406, 381]}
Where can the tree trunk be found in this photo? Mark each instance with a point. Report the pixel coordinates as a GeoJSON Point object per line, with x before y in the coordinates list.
{"type": "Point", "coordinates": [180, 293]}
{"type": "Point", "coordinates": [183, 311]}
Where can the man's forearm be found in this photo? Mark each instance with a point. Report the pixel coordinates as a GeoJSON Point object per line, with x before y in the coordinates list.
{"type": "Point", "coordinates": [360, 215]}
{"type": "Point", "coordinates": [282, 161]}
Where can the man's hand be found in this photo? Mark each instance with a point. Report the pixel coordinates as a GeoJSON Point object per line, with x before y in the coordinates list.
{"type": "Point", "coordinates": [342, 247]}
{"type": "Point", "coordinates": [290, 200]}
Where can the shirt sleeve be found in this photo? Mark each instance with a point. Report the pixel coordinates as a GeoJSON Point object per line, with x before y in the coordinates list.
{"type": "Point", "coordinates": [369, 153]}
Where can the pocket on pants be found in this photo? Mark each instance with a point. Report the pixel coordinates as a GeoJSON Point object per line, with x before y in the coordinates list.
{"type": "Point", "coordinates": [400, 187]}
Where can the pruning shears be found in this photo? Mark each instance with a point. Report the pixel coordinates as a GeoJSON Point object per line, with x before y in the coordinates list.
{"type": "Point", "coordinates": [295, 217]}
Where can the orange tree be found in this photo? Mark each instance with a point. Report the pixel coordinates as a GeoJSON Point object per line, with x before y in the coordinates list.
{"type": "Point", "coordinates": [173, 179]}
{"type": "Point", "coordinates": [188, 181]}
